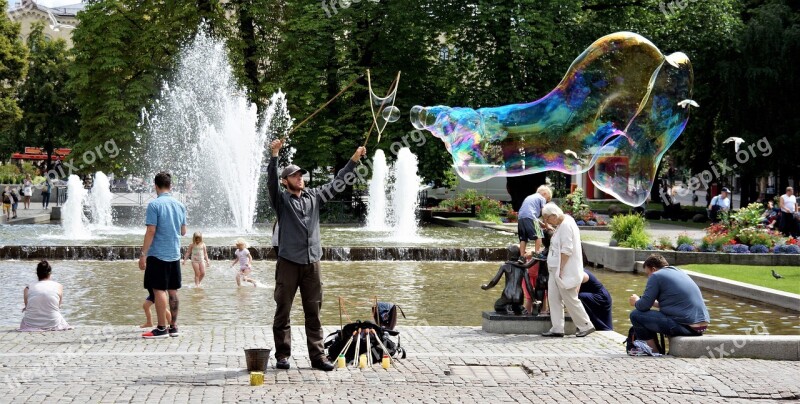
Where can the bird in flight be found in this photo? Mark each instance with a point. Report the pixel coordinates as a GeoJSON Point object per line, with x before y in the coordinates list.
{"type": "Point", "coordinates": [737, 141]}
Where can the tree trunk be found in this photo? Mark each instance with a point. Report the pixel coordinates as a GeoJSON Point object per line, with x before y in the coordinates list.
{"type": "Point", "coordinates": [250, 55]}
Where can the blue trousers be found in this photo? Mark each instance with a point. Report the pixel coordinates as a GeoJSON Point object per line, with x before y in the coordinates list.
{"type": "Point", "coordinates": [646, 324]}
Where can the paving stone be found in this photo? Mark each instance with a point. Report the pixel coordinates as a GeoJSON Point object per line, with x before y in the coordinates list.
{"type": "Point", "coordinates": [206, 364]}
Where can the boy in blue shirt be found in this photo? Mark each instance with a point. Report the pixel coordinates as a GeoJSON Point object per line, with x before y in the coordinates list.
{"type": "Point", "coordinates": [528, 227]}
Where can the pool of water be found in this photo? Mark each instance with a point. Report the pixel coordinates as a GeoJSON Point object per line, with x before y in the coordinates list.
{"type": "Point", "coordinates": [427, 236]}
{"type": "Point", "coordinates": [430, 293]}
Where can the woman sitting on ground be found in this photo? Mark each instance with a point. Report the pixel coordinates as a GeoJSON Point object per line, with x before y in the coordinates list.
{"type": "Point", "coordinates": [43, 303]}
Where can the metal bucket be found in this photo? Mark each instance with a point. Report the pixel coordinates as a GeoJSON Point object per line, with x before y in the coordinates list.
{"type": "Point", "coordinates": [257, 359]}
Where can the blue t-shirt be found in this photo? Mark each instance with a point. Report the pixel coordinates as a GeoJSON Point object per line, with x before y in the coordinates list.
{"type": "Point", "coordinates": [678, 296]}
{"type": "Point", "coordinates": [532, 207]}
{"type": "Point", "coordinates": [168, 215]}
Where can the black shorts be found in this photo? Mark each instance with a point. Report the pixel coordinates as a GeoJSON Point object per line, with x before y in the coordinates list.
{"type": "Point", "coordinates": [151, 297]}
{"type": "Point", "coordinates": [528, 229]}
{"type": "Point", "coordinates": [162, 275]}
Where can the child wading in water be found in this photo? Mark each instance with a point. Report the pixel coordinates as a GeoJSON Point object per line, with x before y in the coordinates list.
{"type": "Point", "coordinates": [148, 302]}
{"type": "Point", "coordinates": [197, 251]}
{"type": "Point", "coordinates": [244, 259]}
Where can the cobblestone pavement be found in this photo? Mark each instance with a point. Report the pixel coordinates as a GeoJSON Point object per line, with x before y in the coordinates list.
{"type": "Point", "coordinates": [445, 365]}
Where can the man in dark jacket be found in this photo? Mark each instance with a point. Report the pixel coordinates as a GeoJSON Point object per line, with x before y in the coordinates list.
{"type": "Point", "coordinates": [298, 266]}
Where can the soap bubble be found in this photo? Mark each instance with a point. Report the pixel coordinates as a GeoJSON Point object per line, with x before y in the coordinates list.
{"type": "Point", "coordinates": [391, 114]}
{"type": "Point", "coordinates": [614, 114]}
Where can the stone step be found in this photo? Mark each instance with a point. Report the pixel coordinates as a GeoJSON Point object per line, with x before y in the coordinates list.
{"type": "Point", "coordinates": [496, 323]}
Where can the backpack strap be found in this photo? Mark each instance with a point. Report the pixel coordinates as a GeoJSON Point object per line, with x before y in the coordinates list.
{"type": "Point", "coordinates": [662, 348]}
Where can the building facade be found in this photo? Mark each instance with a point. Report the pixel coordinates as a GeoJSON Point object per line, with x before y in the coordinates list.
{"type": "Point", "coordinates": [58, 21]}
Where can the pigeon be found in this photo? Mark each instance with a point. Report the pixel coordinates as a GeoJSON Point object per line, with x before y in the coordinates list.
{"type": "Point", "coordinates": [737, 141]}
{"type": "Point", "coordinates": [686, 103]}
{"type": "Point", "coordinates": [776, 275]}
{"type": "Point", "coordinates": [574, 155]}
{"type": "Point", "coordinates": [55, 25]}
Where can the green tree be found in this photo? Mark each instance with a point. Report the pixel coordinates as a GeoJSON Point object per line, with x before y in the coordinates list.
{"type": "Point", "coordinates": [50, 117]}
{"type": "Point", "coordinates": [13, 66]}
{"type": "Point", "coordinates": [124, 50]}
{"type": "Point", "coordinates": [761, 92]}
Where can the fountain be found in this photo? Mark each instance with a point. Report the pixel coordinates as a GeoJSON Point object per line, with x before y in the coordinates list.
{"type": "Point", "coordinates": [396, 213]}
{"type": "Point", "coordinates": [376, 210]}
{"type": "Point", "coordinates": [405, 194]}
{"type": "Point", "coordinates": [100, 200]}
{"type": "Point", "coordinates": [205, 132]}
{"type": "Point", "coordinates": [73, 220]}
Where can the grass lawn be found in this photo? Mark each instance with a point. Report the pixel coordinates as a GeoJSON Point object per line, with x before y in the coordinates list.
{"type": "Point", "coordinates": [756, 275]}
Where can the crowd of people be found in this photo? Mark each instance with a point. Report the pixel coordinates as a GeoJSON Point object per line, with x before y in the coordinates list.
{"type": "Point", "coordinates": [556, 245]}
{"type": "Point", "coordinates": [681, 309]}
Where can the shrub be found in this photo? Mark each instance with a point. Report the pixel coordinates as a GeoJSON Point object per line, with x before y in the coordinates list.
{"type": "Point", "coordinates": [755, 235]}
{"type": "Point", "coordinates": [736, 249]}
{"type": "Point", "coordinates": [623, 226]}
{"type": "Point", "coordinates": [684, 238]}
{"type": "Point", "coordinates": [485, 207]}
{"type": "Point", "coordinates": [638, 239]}
{"type": "Point", "coordinates": [664, 243]}
{"type": "Point", "coordinates": [717, 235]}
{"type": "Point", "coordinates": [787, 249]}
{"type": "Point", "coordinates": [749, 216]}
{"type": "Point", "coordinates": [576, 204]}
{"type": "Point", "coordinates": [687, 247]}
{"type": "Point", "coordinates": [759, 249]}
{"type": "Point", "coordinates": [512, 216]}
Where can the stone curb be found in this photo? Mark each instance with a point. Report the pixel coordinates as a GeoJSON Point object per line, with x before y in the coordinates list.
{"type": "Point", "coordinates": [770, 347]}
{"type": "Point", "coordinates": [621, 259]}
{"type": "Point", "coordinates": [774, 297]}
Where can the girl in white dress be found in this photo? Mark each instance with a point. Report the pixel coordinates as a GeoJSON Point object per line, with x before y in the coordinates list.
{"type": "Point", "coordinates": [245, 260]}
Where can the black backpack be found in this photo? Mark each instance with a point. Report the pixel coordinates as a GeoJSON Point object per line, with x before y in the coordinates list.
{"type": "Point", "coordinates": [337, 340]}
{"type": "Point", "coordinates": [632, 337]}
{"type": "Point", "coordinates": [385, 314]}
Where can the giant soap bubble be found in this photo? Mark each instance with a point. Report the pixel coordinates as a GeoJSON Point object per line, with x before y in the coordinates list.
{"type": "Point", "coordinates": [614, 114]}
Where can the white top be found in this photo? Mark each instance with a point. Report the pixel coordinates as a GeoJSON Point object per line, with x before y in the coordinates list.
{"type": "Point", "coordinates": [27, 188]}
{"type": "Point", "coordinates": [789, 202]}
{"type": "Point", "coordinates": [242, 255]}
{"type": "Point", "coordinates": [724, 204]}
{"type": "Point", "coordinates": [43, 312]}
{"type": "Point", "coordinates": [566, 240]}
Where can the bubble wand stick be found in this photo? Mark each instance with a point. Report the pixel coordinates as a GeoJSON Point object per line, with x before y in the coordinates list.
{"type": "Point", "coordinates": [390, 94]}
{"type": "Point", "coordinates": [321, 108]}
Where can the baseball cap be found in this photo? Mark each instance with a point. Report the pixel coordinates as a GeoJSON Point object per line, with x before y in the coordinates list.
{"type": "Point", "coordinates": [726, 190]}
{"type": "Point", "coordinates": [291, 169]}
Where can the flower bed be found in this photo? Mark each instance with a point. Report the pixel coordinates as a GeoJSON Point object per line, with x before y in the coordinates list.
{"type": "Point", "coordinates": [742, 232]}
